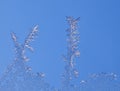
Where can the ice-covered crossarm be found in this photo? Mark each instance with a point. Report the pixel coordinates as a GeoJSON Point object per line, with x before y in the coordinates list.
{"type": "Point", "coordinates": [30, 38]}
{"type": "Point", "coordinates": [14, 38]}
{"type": "Point", "coordinates": [20, 49]}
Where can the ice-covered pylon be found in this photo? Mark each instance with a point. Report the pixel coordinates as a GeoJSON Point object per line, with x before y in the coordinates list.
{"type": "Point", "coordinates": [18, 76]}
{"type": "Point", "coordinates": [72, 52]}
{"type": "Point", "coordinates": [20, 58]}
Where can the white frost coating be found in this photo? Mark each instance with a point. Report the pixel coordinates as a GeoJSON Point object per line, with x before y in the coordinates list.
{"type": "Point", "coordinates": [14, 37]}
{"type": "Point", "coordinates": [19, 76]}
{"type": "Point", "coordinates": [21, 48]}
{"type": "Point", "coordinates": [72, 53]}
{"type": "Point", "coordinates": [30, 38]}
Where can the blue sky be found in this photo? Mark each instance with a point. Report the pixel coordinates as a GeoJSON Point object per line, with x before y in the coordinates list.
{"type": "Point", "coordinates": [99, 28]}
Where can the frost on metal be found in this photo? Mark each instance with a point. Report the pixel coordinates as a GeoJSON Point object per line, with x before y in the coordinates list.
{"type": "Point", "coordinates": [20, 48]}
{"type": "Point", "coordinates": [101, 82]}
{"type": "Point", "coordinates": [71, 72]}
{"type": "Point", "coordinates": [19, 76]}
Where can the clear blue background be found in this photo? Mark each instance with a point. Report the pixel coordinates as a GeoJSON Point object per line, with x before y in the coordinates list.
{"type": "Point", "coordinates": [99, 28]}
